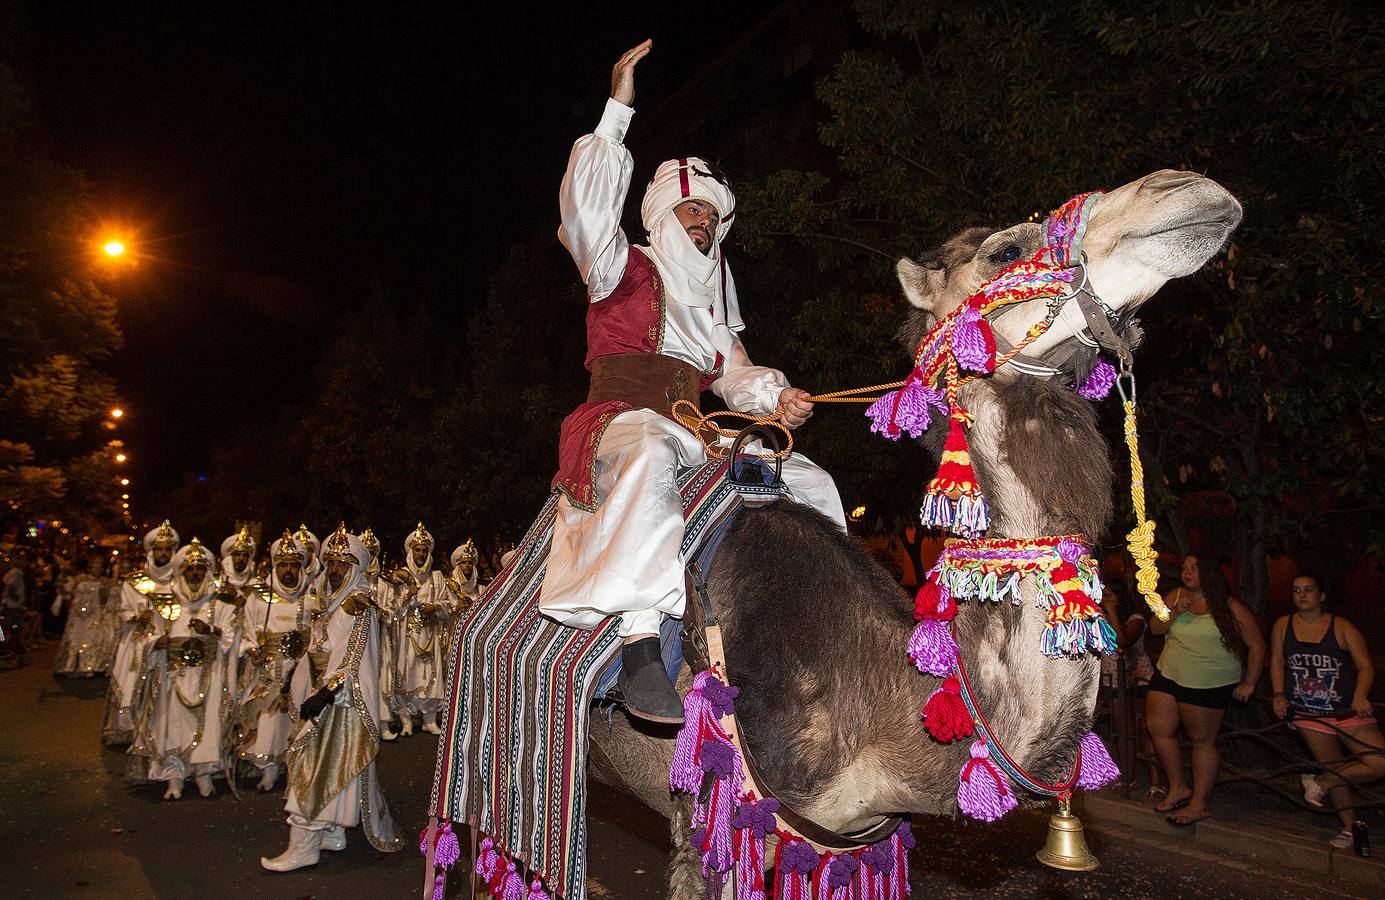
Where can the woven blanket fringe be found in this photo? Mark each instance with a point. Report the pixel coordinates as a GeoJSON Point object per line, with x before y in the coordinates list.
{"type": "Point", "coordinates": [729, 826]}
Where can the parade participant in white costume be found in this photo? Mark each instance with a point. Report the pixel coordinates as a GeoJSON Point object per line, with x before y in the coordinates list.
{"type": "Point", "coordinates": [663, 322]}
{"type": "Point", "coordinates": [89, 638]}
{"type": "Point", "coordinates": [385, 587]}
{"type": "Point", "coordinates": [137, 633]}
{"type": "Point", "coordinates": [332, 783]}
{"type": "Point", "coordinates": [424, 613]}
{"type": "Point", "coordinates": [274, 638]}
{"type": "Point", "coordinates": [234, 587]}
{"type": "Point", "coordinates": [178, 732]}
{"type": "Point", "coordinates": [309, 540]}
{"type": "Point", "coordinates": [465, 574]}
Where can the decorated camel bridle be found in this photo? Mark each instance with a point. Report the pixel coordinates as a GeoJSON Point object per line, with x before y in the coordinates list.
{"type": "Point", "coordinates": [734, 811]}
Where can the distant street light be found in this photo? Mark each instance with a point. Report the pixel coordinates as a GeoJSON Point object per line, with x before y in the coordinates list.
{"type": "Point", "coordinates": [117, 413]}
{"type": "Point", "coordinates": [124, 482]}
{"type": "Point", "coordinates": [120, 457]}
{"type": "Point", "coordinates": [114, 248]}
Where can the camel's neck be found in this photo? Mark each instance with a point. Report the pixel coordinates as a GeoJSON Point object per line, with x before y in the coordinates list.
{"type": "Point", "coordinates": [1044, 467]}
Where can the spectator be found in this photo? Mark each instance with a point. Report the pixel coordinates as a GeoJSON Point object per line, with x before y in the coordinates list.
{"type": "Point", "coordinates": [14, 604]}
{"type": "Point", "coordinates": [1128, 620]}
{"type": "Point", "coordinates": [1329, 699]}
{"type": "Point", "coordinates": [1213, 652]}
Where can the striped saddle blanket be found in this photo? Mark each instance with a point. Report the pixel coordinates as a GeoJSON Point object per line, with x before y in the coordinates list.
{"type": "Point", "coordinates": [513, 756]}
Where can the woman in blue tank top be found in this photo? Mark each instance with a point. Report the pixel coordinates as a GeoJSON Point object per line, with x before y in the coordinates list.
{"type": "Point", "coordinates": [1321, 670]}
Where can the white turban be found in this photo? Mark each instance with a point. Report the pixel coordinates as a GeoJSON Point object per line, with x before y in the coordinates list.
{"type": "Point", "coordinates": [228, 568]}
{"type": "Point", "coordinates": [355, 581]}
{"type": "Point", "coordinates": [164, 532]}
{"type": "Point", "coordinates": [295, 546]}
{"type": "Point", "coordinates": [694, 278]}
{"type": "Point", "coordinates": [202, 556]}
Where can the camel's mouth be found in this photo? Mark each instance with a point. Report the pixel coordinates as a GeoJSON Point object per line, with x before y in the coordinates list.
{"type": "Point", "coordinates": [1222, 225]}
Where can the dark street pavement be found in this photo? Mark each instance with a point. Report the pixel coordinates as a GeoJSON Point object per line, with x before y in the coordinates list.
{"type": "Point", "coordinates": [71, 827]}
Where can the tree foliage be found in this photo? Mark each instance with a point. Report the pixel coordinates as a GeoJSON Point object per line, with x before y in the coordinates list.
{"type": "Point", "coordinates": [56, 326]}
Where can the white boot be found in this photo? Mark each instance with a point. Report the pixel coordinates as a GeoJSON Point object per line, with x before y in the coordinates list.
{"type": "Point", "coordinates": [387, 732]}
{"type": "Point", "coordinates": [205, 786]}
{"type": "Point", "coordinates": [302, 851]}
{"type": "Point", "coordinates": [268, 776]}
{"type": "Point", "coordinates": [406, 724]}
{"type": "Point", "coordinates": [175, 789]}
{"type": "Point", "coordinates": [430, 723]}
{"type": "Point", "coordinates": [334, 838]}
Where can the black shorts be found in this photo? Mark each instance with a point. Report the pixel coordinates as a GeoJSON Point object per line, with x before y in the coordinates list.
{"type": "Point", "coordinates": [1208, 698]}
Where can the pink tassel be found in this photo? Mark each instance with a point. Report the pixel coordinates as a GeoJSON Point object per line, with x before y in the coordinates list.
{"type": "Point", "coordinates": [488, 861]}
{"type": "Point", "coordinates": [514, 884]}
{"type": "Point", "coordinates": [536, 891]}
{"type": "Point", "coordinates": [446, 850]}
{"type": "Point", "coordinates": [973, 342]}
{"type": "Point", "coordinates": [439, 887]}
{"type": "Point", "coordinates": [909, 409]}
{"type": "Point", "coordinates": [932, 648]}
{"type": "Point", "coordinates": [1097, 769]}
{"type": "Point", "coordinates": [982, 792]}
{"type": "Point", "coordinates": [684, 774]}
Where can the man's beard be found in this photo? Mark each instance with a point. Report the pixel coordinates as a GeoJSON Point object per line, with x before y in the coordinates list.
{"type": "Point", "coordinates": [290, 580]}
{"type": "Point", "coordinates": [335, 581]}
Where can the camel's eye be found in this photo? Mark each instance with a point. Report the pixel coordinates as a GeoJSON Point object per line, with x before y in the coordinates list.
{"type": "Point", "coordinates": [1007, 254]}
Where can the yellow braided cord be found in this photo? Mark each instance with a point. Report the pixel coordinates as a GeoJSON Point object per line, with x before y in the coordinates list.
{"type": "Point", "coordinates": [1141, 539]}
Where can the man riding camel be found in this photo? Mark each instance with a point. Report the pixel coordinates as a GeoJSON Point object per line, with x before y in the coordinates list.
{"type": "Point", "coordinates": [663, 324]}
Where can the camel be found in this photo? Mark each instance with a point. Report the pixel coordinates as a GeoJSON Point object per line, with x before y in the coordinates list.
{"type": "Point", "coordinates": [830, 707]}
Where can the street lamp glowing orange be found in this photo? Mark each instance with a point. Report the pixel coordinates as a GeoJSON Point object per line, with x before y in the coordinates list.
{"type": "Point", "coordinates": [124, 482]}
{"type": "Point", "coordinates": [114, 248]}
{"type": "Point", "coordinates": [120, 457]}
{"type": "Point", "coordinates": [117, 413]}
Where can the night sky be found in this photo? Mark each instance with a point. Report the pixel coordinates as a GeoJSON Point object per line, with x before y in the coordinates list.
{"type": "Point", "coordinates": [272, 163]}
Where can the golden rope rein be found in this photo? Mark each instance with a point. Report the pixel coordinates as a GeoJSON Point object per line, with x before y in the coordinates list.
{"type": "Point", "coordinates": [1140, 540]}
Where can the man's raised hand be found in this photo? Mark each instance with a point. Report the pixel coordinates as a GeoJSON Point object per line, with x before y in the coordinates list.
{"type": "Point", "coordinates": [623, 73]}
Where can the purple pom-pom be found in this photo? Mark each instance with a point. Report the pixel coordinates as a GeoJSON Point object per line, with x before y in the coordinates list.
{"type": "Point", "coordinates": [969, 344]}
{"type": "Point", "coordinates": [981, 789]}
{"type": "Point", "coordinates": [720, 698]}
{"type": "Point", "coordinates": [843, 870]}
{"type": "Point", "coordinates": [717, 756]}
{"type": "Point", "coordinates": [798, 857]}
{"type": "Point", "coordinates": [1099, 380]}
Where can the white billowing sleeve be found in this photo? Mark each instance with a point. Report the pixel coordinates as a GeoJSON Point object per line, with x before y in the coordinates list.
{"type": "Point", "coordinates": [746, 387]}
{"type": "Point", "coordinates": [591, 201]}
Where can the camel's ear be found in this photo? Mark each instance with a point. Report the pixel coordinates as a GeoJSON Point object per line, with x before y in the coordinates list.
{"type": "Point", "coordinates": [923, 286]}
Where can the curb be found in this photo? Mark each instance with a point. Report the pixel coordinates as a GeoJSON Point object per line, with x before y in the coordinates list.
{"type": "Point", "coordinates": [1242, 841]}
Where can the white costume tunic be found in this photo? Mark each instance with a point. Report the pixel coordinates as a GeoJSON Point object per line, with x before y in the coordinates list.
{"type": "Point", "coordinates": [623, 559]}
{"type": "Point", "coordinates": [331, 759]}
{"type": "Point", "coordinates": [138, 633]}
{"type": "Point", "coordinates": [88, 644]}
{"type": "Point", "coordinates": [387, 598]}
{"type": "Point", "coordinates": [421, 641]}
{"type": "Point", "coordinates": [276, 628]}
{"type": "Point", "coordinates": [179, 731]}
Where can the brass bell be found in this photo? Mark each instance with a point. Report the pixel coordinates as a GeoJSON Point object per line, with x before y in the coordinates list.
{"type": "Point", "coordinates": [1066, 847]}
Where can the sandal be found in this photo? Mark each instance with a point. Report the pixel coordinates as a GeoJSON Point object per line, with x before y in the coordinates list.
{"type": "Point", "coordinates": [1185, 820]}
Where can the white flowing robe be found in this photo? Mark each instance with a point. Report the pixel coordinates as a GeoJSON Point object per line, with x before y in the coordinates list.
{"type": "Point", "coordinates": [179, 732]}
{"type": "Point", "coordinates": [421, 648]}
{"type": "Point", "coordinates": [387, 597]}
{"type": "Point", "coordinates": [348, 646]}
{"type": "Point", "coordinates": [263, 710]}
{"type": "Point", "coordinates": [128, 669]}
{"type": "Point", "coordinates": [88, 644]}
{"type": "Point", "coordinates": [624, 558]}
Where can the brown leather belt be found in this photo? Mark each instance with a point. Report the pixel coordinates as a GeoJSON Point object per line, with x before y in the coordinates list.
{"type": "Point", "coordinates": [644, 380]}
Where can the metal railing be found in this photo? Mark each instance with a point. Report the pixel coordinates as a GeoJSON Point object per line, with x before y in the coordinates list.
{"type": "Point", "coordinates": [1255, 747]}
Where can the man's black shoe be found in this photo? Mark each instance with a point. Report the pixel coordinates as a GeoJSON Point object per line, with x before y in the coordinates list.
{"type": "Point", "coordinates": [644, 684]}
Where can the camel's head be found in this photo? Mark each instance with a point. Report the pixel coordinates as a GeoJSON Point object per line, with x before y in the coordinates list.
{"type": "Point", "coordinates": [1165, 225]}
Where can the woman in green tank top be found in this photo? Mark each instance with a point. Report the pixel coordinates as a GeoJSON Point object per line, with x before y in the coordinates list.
{"type": "Point", "coordinates": [1200, 670]}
